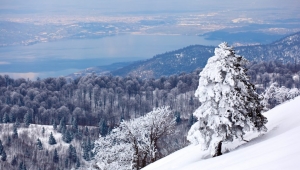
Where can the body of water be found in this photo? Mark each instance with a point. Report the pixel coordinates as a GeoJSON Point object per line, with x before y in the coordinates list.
{"type": "Point", "coordinates": [67, 56]}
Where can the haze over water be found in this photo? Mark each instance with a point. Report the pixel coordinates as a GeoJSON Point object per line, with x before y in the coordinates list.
{"type": "Point", "coordinates": [151, 27]}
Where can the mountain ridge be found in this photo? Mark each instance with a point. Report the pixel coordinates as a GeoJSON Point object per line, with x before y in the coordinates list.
{"type": "Point", "coordinates": [189, 58]}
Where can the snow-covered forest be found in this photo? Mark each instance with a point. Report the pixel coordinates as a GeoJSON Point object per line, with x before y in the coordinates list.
{"type": "Point", "coordinates": [78, 111]}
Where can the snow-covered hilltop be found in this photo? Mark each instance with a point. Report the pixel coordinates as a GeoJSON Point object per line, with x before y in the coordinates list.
{"type": "Point", "coordinates": [278, 149]}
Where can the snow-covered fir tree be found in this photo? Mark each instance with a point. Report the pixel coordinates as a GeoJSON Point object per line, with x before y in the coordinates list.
{"type": "Point", "coordinates": [230, 107]}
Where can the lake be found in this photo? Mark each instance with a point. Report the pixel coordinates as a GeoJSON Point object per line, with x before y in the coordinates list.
{"type": "Point", "coordinates": [63, 57]}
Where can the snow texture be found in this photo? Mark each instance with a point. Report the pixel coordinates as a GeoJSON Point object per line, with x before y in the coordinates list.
{"type": "Point", "coordinates": [126, 145]}
{"type": "Point", "coordinates": [230, 107]}
{"type": "Point", "coordinates": [278, 149]}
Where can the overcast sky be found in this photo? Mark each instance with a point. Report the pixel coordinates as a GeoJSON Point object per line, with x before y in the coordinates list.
{"type": "Point", "coordinates": [113, 7]}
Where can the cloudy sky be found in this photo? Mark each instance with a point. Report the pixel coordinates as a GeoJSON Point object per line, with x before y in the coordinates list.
{"type": "Point", "coordinates": [92, 7]}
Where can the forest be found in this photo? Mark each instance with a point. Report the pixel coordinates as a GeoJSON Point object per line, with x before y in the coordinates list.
{"type": "Point", "coordinates": [81, 109]}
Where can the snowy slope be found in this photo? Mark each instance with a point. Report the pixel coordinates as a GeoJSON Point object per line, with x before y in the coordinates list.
{"type": "Point", "coordinates": [278, 149]}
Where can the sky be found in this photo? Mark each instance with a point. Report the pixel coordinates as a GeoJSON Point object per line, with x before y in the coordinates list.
{"type": "Point", "coordinates": [94, 7]}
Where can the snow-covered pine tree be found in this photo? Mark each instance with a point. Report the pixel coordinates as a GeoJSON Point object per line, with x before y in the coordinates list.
{"type": "Point", "coordinates": [230, 107]}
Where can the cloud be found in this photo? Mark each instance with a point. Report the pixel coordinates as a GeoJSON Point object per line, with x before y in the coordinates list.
{"type": "Point", "coordinates": [243, 20]}
{"type": "Point", "coordinates": [4, 63]}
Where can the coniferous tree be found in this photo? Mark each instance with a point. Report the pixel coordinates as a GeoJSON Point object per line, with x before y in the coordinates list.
{"type": "Point", "coordinates": [67, 163]}
{"type": "Point", "coordinates": [86, 132]}
{"type": "Point", "coordinates": [5, 118]}
{"type": "Point", "coordinates": [74, 125]}
{"type": "Point", "coordinates": [77, 163]}
{"type": "Point", "coordinates": [27, 119]}
{"type": "Point", "coordinates": [177, 117]}
{"type": "Point", "coordinates": [62, 125]}
{"type": "Point", "coordinates": [86, 150]}
{"type": "Point", "coordinates": [43, 131]}
{"type": "Point", "coordinates": [67, 136]}
{"type": "Point", "coordinates": [191, 120]}
{"type": "Point", "coordinates": [39, 144]}
{"type": "Point", "coordinates": [8, 141]}
{"type": "Point", "coordinates": [230, 106]}
{"type": "Point", "coordinates": [103, 128]}
{"type": "Point", "coordinates": [14, 161]}
{"type": "Point", "coordinates": [51, 140]}
{"type": "Point", "coordinates": [55, 156]}
{"type": "Point", "coordinates": [1, 147]}
{"type": "Point", "coordinates": [22, 166]}
{"type": "Point", "coordinates": [15, 132]}
{"type": "Point", "coordinates": [27, 153]}
{"type": "Point", "coordinates": [72, 153]}
{"type": "Point", "coordinates": [3, 155]}
{"type": "Point", "coordinates": [54, 124]}
{"type": "Point", "coordinates": [17, 123]}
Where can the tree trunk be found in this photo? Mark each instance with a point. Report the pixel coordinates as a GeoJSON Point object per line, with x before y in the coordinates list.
{"type": "Point", "coordinates": [218, 149]}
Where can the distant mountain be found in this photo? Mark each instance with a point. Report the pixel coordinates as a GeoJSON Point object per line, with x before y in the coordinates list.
{"type": "Point", "coordinates": [99, 70]}
{"type": "Point", "coordinates": [189, 58]}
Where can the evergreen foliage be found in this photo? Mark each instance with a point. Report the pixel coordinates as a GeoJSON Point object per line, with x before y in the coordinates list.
{"type": "Point", "coordinates": [72, 153]}
{"type": "Point", "coordinates": [5, 118]}
{"type": "Point", "coordinates": [87, 150]}
{"type": "Point", "coordinates": [55, 156]}
{"type": "Point", "coordinates": [8, 141]}
{"type": "Point", "coordinates": [77, 163]}
{"type": "Point", "coordinates": [51, 140]}
{"type": "Point", "coordinates": [3, 155]}
{"type": "Point", "coordinates": [230, 107]}
{"type": "Point", "coordinates": [27, 119]}
{"type": "Point", "coordinates": [14, 161]}
{"type": "Point", "coordinates": [103, 128]}
{"type": "Point", "coordinates": [74, 125]}
{"type": "Point", "coordinates": [62, 125]}
{"type": "Point", "coordinates": [67, 136]}
{"type": "Point", "coordinates": [54, 124]}
{"type": "Point", "coordinates": [17, 123]}
{"type": "Point", "coordinates": [39, 144]}
{"type": "Point", "coordinates": [67, 163]}
{"type": "Point", "coordinates": [43, 131]}
{"type": "Point", "coordinates": [1, 147]}
{"type": "Point", "coordinates": [15, 132]}
{"type": "Point", "coordinates": [177, 117]}
{"type": "Point", "coordinates": [22, 166]}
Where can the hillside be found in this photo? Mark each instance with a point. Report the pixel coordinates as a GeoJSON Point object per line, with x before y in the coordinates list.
{"type": "Point", "coordinates": [195, 56]}
{"type": "Point", "coordinates": [278, 149]}
{"type": "Point", "coordinates": [98, 70]}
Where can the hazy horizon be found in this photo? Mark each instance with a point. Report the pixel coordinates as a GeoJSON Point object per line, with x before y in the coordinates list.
{"type": "Point", "coordinates": [29, 23]}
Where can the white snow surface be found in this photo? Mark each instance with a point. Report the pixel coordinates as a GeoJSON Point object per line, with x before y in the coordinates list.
{"type": "Point", "coordinates": [278, 149]}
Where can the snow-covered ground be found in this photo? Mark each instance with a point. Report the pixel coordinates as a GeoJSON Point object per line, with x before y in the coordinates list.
{"type": "Point", "coordinates": [278, 149]}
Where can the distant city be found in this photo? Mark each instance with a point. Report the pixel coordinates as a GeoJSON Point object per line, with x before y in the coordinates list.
{"type": "Point", "coordinates": [37, 29]}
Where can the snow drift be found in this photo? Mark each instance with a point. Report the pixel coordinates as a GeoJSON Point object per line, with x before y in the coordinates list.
{"type": "Point", "coordinates": [279, 148]}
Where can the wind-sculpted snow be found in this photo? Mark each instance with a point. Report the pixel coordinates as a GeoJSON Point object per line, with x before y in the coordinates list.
{"type": "Point", "coordinates": [276, 150]}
